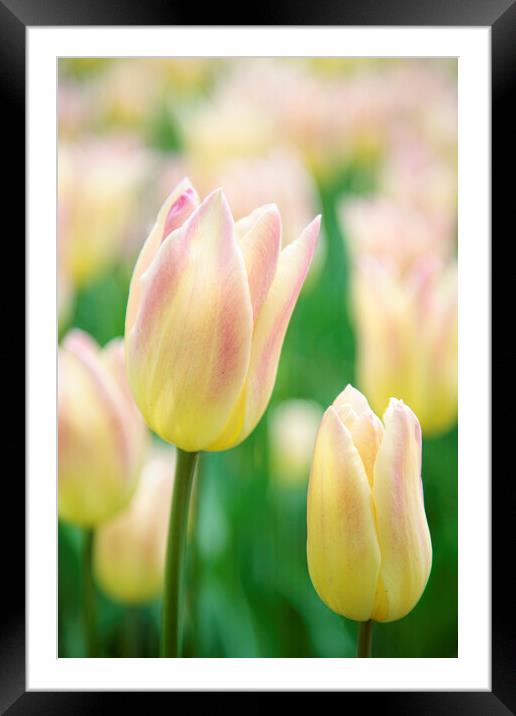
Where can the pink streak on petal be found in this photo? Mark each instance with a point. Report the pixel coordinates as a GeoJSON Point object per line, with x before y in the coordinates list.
{"type": "Point", "coordinates": [260, 246]}
{"type": "Point", "coordinates": [280, 324]}
{"type": "Point", "coordinates": [179, 212]}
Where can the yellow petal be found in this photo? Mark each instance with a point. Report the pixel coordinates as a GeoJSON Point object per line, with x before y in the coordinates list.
{"type": "Point", "coordinates": [352, 397]}
{"type": "Point", "coordinates": [365, 427]}
{"type": "Point", "coordinates": [402, 528]}
{"type": "Point", "coordinates": [342, 548]}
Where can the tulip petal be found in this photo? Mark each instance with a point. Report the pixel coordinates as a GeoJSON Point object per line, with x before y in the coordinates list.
{"type": "Point", "coordinates": [402, 528]}
{"type": "Point", "coordinates": [260, 245]}
{"type": "Point", "coordinates": [365, 427]}
{"type": "Point", "coordinates": [342, 547]}
{"type": "Point", "coordinates": [103, 390]}
{"type": "Point", "coordinates": [367, 434]}
{"type": "Point", "coordinates": [269, 332]}
{"type": "Point", "coordinates": [101, 436]}
{"type": "Point", "coordinates": [188, 352]}
{"type": "Point", "coordinates": [352, 397]}
{"type": "Point", "coordinates": [175, 210]}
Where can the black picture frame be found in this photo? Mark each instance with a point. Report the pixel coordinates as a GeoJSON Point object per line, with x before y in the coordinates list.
{"type": "Point", "coordinates": [500, 15]}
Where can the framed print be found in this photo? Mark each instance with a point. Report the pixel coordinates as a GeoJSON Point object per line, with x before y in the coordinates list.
{"type": "Point", "coordinates": [258, 356]}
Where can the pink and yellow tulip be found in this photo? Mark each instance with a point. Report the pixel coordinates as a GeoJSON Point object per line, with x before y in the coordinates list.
{"type": "Point", "coordinates": [98, 186]}
{"type": "Point", "coordinates": [393, 233]}
{"type": "Point", "coordinates": [209, 305]}
{"type": "Point", "coordinates": [101, 435]}
{"type": "Point", "coordinates": [407, 338]}
{"type": "Point", "coordinates": [129, 549]}
{"type": "Point", "coordinates": [369, 548]}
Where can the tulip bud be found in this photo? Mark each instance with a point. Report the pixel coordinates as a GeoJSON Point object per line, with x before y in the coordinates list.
{"type": "Point", "coordinates": [369, 549]}
{"type": "Point", "coordinates": [209, 305]}
{"type": "Point", "coordinates": [129, 552]}
{"type": "Point", "coordinates": [293, 427]}
{"type": "Point", "coordinates": [407, 338]}
{"type": "Point", "coordinates": [101, 436]}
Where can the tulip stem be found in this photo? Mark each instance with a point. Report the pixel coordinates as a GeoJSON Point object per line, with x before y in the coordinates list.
{"type": "Point", "coordinates": [365, 639]}
{"type": "Point", "coordinates": [88, 593]}
{"type": "Point", "coordinates": [173, 593]}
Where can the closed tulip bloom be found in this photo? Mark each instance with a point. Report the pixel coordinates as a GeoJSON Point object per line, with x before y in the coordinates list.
{"type": "Point", "coordinates": [101, 435]}
{"type": "Point", "coordinates": [209, 305]}
{"type": "Point", "coordinates": [369, 548]}
{"type": "Point", "coordinates": [407, 338]}
{"type": "Point", "coordinates": [129, 551]}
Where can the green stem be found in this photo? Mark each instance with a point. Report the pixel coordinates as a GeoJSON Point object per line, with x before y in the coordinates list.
{"type": "Point", "coordinates": [173, 593]}
{"type": "Point", "coordinates": [365, 639]}
{"type": "Point", "coordinates": [88, 593]}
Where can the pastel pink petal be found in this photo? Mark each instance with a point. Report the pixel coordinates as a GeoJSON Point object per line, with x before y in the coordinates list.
{"type": "Point", "coordinates": [188, 352]}
{"type": "Point", "coordinates": [269, 333]}
{"type": "Point", "coordinates": [260, 245]}
{"type": "Point", "coordinates": [180, 210]}
{"type": "Point", "coordinates": [176, 208]}
{"type": "Point", "coordinates": [79, 342]}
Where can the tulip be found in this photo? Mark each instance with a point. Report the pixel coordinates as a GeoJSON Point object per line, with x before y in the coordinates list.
{"type": "Point", "coordinates": [129, 551]}
{"type": "Point", "coordinates": [101, 436]}
{"type": "Point", "coordinates": [369, 549]}
{"type": "Point", "coordinates": [226, 127]}
{"type": "Point", "coordinates": [209, 305]}
{"type": "Point", "coordinates": [293, 427]}
{"type": "Point", "coordinates": [98, 184]}
{"type": "Point", "coordinates": [415, 173]}
{"type": "Point", "coordinates": [393, 233]}
{"type": "Point", "coordinates": [407, 338]}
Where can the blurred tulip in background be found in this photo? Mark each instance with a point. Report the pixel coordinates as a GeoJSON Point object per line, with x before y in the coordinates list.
{"type": "Point", "coordinates": [407, 338]}
{"type": "Point", "coordinates": [293, 425]}
{"type": "Point", "coordinates": [101, 435]}
{"type": "Point", "coordinates": [394, 234]}
{"type": "Point", "coordinates": [129, 551]}
{"type": "Point", "coordinates": [99, 184]}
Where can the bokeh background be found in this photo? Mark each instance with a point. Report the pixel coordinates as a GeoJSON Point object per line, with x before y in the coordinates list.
{"type": "Point", "coordinates": [370, 144]}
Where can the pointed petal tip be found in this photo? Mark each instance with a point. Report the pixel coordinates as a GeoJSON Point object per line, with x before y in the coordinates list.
{"type": "Point", "coordinates": [398, 405]}
{"type": "Point", "coordinates": [215, 195]}
{"type": "Point", "coordinates": [215, 200]}
{"type": "Point", "coordinates": [314, 226]}
{"type": "Point", "coordinates": [353, 397]}
{"type": "Point", "coordinates": [399, 408]}
{"type": "Point", "coordinates": [77, 339]}
{"type": "Point", "coordinates": [307, 240]}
